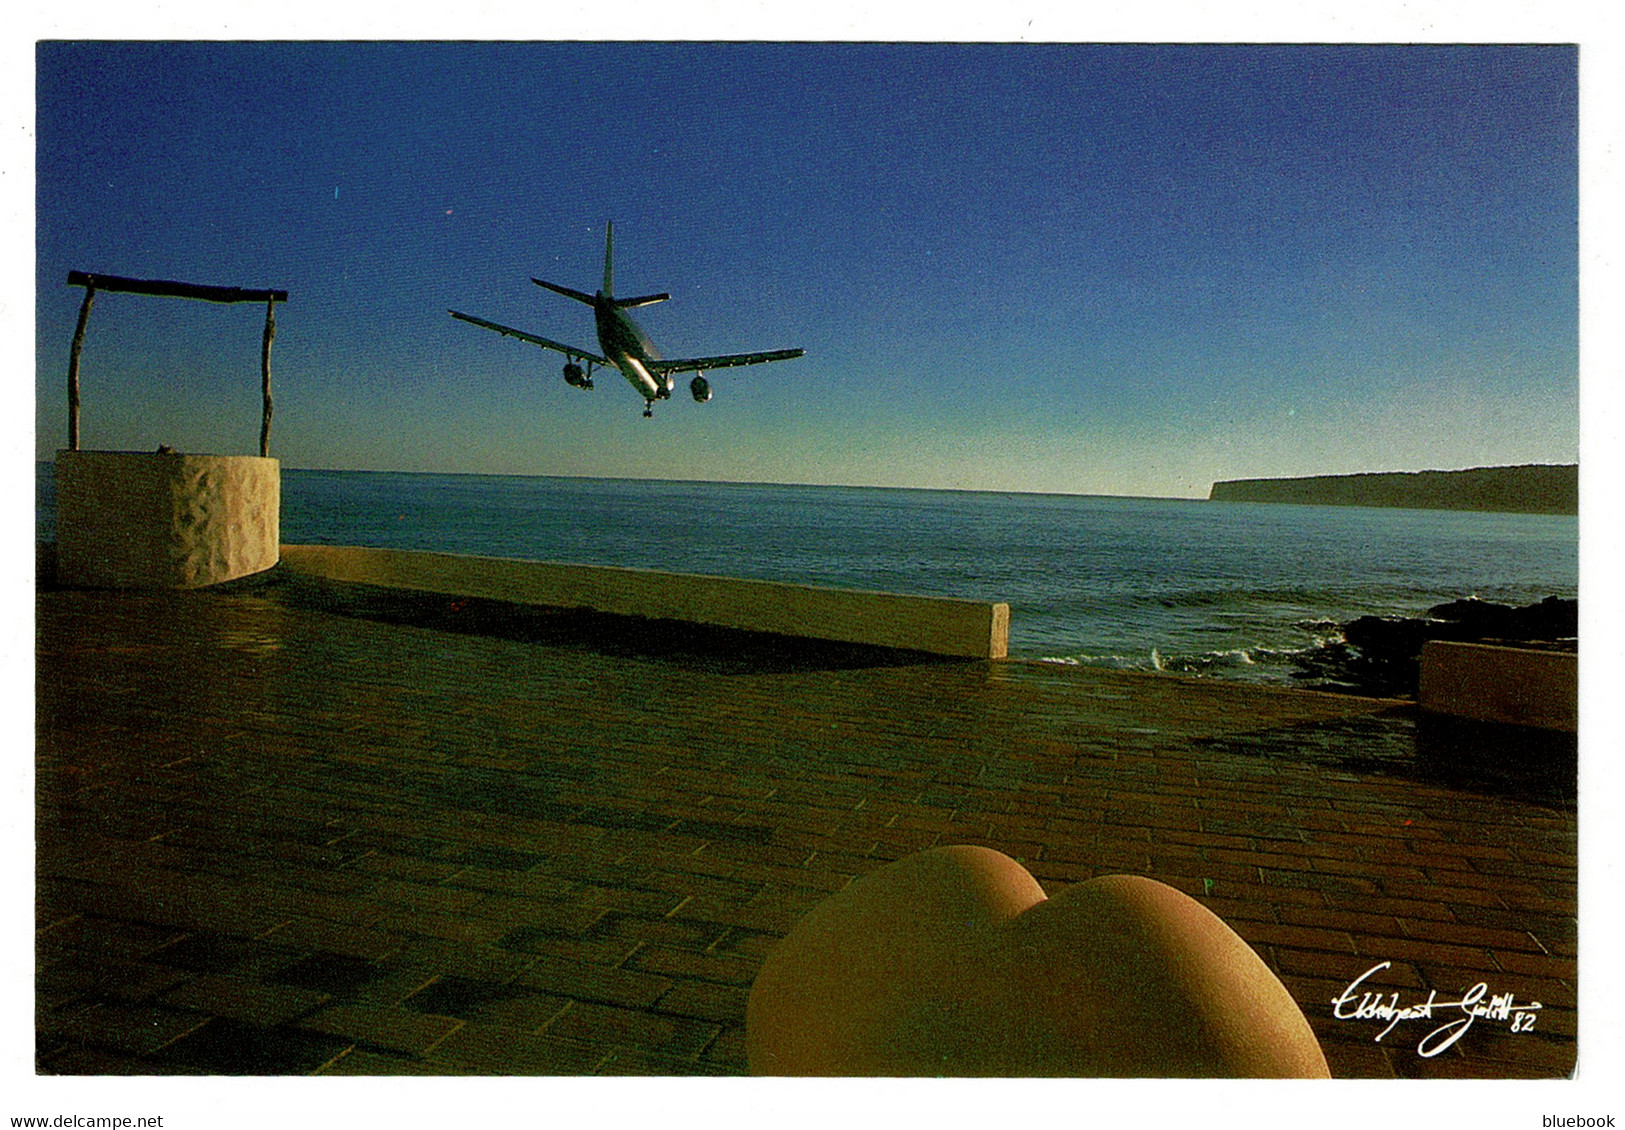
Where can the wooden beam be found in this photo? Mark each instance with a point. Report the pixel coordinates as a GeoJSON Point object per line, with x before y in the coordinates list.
{"type": "Point", "coordinates": [168, 289]}
{"type": "Point", "coordinates": [73, 366]}
{"type": "Point", "coordinates": [165, 289]}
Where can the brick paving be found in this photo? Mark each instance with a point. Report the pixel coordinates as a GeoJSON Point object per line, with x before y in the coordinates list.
{"type": "Point", "coordinates": [300, 828]}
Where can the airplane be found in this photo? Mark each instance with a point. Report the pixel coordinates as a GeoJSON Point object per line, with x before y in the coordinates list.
{"type": "Point", "coordinates": [624, 345]}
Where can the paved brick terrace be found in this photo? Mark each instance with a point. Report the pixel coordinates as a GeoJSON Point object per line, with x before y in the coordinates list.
{"type": "Point", "coordinates": [310, 829]}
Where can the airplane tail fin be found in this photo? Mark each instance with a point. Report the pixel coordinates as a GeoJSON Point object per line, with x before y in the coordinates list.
{"type": "Point", "coordinates": [609, 280]}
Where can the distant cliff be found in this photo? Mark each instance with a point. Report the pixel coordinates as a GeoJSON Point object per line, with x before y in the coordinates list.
{"type": "Point", "coordinates": [1535, 488]}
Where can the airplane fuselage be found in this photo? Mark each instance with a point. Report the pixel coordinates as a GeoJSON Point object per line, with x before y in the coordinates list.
{"type": "Point", "coordinates": [625, 345]}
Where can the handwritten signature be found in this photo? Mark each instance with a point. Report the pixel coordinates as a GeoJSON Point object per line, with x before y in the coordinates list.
{"type": "Point", "coordinates": [1353, 1003]}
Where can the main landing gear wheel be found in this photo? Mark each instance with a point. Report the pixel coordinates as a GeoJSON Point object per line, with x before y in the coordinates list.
{"type": "Point", "coordinates": [648, 409]}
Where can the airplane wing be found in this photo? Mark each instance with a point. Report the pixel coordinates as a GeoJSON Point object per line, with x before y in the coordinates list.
{"type": "Point", "coordinates": [726, 361]}
{"type": "Point", "coordinates": [546, 343]}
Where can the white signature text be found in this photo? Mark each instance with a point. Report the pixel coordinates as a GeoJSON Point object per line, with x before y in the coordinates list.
{"type": "Point", "coordinates": [1354, 1003]}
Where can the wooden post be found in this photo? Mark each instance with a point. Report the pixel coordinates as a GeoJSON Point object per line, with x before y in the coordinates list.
{"type": "Point", "coordinates": [73, 366]}
{"type": "Point", "coordinates": [265, 376]}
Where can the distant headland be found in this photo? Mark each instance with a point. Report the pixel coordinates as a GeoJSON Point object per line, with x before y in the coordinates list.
{"type": "Point", "coordinates": [1532, 488]}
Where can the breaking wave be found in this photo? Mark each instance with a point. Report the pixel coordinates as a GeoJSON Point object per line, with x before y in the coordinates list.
{"type": "Point", "coordinates": [1241, 664]}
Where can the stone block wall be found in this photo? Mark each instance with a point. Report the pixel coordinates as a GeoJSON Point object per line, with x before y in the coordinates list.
{"type": "Point", "coordinates": [939, 625]}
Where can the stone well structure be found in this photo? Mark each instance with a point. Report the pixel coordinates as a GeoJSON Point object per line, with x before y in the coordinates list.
{"type": "Point", "coordinates": [163, 519]}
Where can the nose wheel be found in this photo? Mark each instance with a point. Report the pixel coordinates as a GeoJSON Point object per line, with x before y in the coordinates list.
{"type": "Point", "coordinates": [648, 409]}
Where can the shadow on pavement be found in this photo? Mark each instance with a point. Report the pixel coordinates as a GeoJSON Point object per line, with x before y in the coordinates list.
{"type": "Point", "coordinates": [1512, 762]}
{"type": "Point", "coordinates": [698, 647]}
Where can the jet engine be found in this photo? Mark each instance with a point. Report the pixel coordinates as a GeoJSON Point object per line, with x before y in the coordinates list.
{"type": "Point", "coordinates": [700, 389]}
{"type": "Point", "coordinates": [573, 376]}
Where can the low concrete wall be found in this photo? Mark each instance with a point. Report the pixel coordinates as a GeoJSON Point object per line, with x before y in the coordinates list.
{"type": "Point", "coordinates": [129, 519]}
{"type": "Point", "coordinates": [1491, 683]}
{"type": "Point", "coordinates": [931, 624]}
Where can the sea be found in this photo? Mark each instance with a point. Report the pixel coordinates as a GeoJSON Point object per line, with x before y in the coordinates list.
{"type": "Point", "coordinates": [1231, 590]}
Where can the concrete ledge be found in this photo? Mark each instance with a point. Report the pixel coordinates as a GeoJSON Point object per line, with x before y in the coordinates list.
{"type": "Point", "coordinates": [128, 519]}
{"type": "Point", "coordinates": [937, 625]}
{"type": "Point", "coordinates": [1491, 683]}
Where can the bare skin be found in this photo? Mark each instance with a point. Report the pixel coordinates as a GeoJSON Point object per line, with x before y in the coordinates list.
{"type": "Point", "coordinates": [953, 962]}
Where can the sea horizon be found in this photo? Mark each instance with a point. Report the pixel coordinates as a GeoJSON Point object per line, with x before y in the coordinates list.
{"type": "Point", "coordinates": [901, 487]}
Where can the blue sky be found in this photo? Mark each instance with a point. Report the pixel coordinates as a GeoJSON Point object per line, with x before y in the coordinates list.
{"type": "Point", "coordinates": [1091, 269]}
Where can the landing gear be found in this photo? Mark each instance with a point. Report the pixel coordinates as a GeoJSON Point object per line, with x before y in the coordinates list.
{"type": "Point", "coordinates": [648, 409]}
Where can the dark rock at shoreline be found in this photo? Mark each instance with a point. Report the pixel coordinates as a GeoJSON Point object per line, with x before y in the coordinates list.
{"type": "Point", "coordinates": [1380, 655]}
{"type": "Point", "coordinates": [1551, 619]}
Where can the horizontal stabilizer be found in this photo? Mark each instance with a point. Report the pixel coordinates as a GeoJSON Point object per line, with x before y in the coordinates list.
{"type": "Point", "coordinates": [569, 351]}
{"type": "Point", "coordinates": [726, 361]}
{"type": "Point", "coordinates": [579, 296]}
{"type": "Point", "coordinates": [645, 300]}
